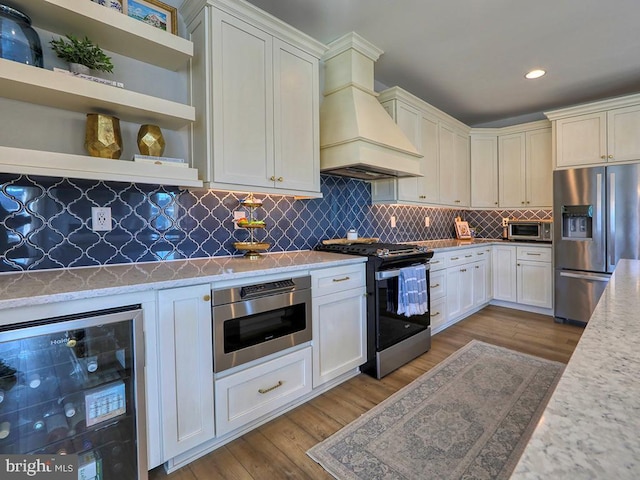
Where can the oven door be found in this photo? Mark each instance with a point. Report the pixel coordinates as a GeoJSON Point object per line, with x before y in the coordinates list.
{"type": "Point", "coordinates": [528, 231]}
{"type": "Point", "coordinates": [391, 327]}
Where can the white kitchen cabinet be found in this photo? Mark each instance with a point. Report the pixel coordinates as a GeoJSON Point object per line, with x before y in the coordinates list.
{"type": "Point", "coordinates": [186, 367]}
{"type": "Point", "coordinates": [523, 275]}
{"type": "Point", "coordinates": [339, 321]}
{"type": "Point", "coordinates": [454, 166]}
{"type": "Point", "coordinates": [256, 81]}
{"type": "Point", "coordinates": [597, 133]}
{"type": "Point", "coordinates": [512, 170]}
{"type": "Point", "coordinates": [253, 392]}
{"type": "Point", "coordinates": [534, 276]}
{"type": "Point", "coordinates": [504, 273]}
{"type": "Point", "coordinates": [484, 171]}
{"type": "Point", "coordinates": [467, 274]}
{"type": "Point", "coordinates": [460, 290]}
{"type": "Point", "coordinates": [438, 297]}
{"type": "Point", "coordinates": [482, 285]}
{"type": "Point", "coordinates": [444, 144]}
{"type": "Point", "coordinates": [114, 32]}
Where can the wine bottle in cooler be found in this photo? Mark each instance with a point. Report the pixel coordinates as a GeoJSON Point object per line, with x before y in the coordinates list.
{"type": "Point", "coordinates": [56, 423]}
{"type": "Point", "coordinates": [8, 379]}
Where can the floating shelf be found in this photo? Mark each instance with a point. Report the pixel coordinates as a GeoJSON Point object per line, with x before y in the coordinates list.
{"type": "Point", "coordinates": [111, 30]}
{"type": "Point", "coordinates": [53, 164]}
{"type": "Point", "coordinates": [53, 89]}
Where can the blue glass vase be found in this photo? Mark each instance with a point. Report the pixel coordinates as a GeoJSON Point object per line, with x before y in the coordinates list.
{"type": "Point", "coordinates": [18, 40]}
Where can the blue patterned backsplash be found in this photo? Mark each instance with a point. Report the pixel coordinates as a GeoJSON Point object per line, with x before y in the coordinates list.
{"type": "Point", "coordinates": [46, 222]}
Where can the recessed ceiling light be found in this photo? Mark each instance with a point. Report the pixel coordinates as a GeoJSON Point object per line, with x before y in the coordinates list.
{"type": "Point", "coordinates": [537, 73]}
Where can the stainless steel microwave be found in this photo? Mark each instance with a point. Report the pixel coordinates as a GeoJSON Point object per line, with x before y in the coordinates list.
{"type": "Point", "coordinates": [530, 230]}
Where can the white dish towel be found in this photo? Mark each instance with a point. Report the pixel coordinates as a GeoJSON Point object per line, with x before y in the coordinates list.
{"type": "Point", "coordinates": [412, 291]}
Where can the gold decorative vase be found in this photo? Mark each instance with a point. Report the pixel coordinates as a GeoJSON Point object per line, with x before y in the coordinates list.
{"type": "Point", "coordinates": [150, 140]}
{"type": "Point", "coordinates": [103, 138]}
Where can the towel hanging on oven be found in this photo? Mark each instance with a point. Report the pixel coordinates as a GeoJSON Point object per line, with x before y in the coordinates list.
{"type": "Point", "coordinates": [412, 291]}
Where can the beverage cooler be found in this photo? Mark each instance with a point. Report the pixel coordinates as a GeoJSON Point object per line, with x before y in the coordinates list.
{"type": "Point", "coordinates": [75, 386]}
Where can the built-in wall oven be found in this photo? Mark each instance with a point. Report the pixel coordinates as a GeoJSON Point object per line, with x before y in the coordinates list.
{"type": "Point", "coordinates": [253, 321]}
{"type": "Point", "coordinates": [393, 339]}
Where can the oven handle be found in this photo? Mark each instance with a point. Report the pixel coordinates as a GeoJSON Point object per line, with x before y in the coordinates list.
{"type": "Point", "coordinates": [386, 274]}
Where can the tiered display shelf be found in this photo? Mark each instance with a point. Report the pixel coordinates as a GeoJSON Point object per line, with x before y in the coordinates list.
{"type": "Point", "coordinates": [252, 247]}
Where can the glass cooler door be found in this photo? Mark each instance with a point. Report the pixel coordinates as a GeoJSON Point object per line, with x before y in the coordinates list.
{"type": "Point", "coordinates": [75, 385]}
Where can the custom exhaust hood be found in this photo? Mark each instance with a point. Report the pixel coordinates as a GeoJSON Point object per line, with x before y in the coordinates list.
{"type": "Point", "coordinates": [358, 138]}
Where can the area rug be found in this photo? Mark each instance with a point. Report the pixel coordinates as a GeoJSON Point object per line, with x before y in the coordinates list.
{"type": "Point", "coordinates": [469, 417]}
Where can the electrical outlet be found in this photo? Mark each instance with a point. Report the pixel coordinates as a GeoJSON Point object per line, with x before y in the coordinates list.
{"type": "Point", "coordinates": [101, 219]}
{"type": "Point", "coordinates": [237, 215]}
{"type": "Point", "coordinates": [427, 221]}
{"type": "Point", "coordinates": [393, 221]}
{"type": "Point", "coordinates": [505, 221]}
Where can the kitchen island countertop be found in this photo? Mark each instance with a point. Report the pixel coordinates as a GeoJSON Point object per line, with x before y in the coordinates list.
{"type": "Point", "coordinates": [589, 429]}
{"type": "Point", "coordinates": [47, 286]}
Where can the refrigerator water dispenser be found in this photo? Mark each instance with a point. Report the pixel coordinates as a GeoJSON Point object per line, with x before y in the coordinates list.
{"type": "Point", "coordinates": [577, 222]}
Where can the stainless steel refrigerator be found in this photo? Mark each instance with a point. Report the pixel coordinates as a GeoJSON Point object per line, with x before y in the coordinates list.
{"type": "Point", "coordinates": [596, 215]}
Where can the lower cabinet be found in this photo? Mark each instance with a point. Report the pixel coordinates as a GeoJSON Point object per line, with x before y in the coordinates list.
{"type": "Point", "coordinates": [438, 294]}
{"type": "Point", "coordinates": [249, 394]}
{"type": "Point", "coordinates": [186, 368]}
{"type": "Point", "coordinates": [339, 313]}
{"type": "Point", "coordinates": [523, 275]}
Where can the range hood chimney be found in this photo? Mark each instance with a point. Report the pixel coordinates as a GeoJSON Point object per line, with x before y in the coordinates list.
{"type": "Point", "coordinates": [358, 138]}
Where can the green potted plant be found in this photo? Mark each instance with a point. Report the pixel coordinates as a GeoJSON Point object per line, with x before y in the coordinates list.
{"type": "Point", "coordinates": [81, 52]}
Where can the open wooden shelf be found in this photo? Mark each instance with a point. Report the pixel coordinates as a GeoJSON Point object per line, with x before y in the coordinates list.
{"type": "Point", "coordinates": [53, 164]}
{"type": "Point", "coordinates": [111, 30]}
{"type": "Point", "coordinates": [45, 87]}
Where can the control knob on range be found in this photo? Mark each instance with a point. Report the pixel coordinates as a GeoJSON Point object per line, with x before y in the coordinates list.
{"type": "Point", "coordinates": [382, 252]}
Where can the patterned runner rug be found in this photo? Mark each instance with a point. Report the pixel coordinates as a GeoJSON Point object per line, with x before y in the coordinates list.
{"type": "Point", "coordinates": [469, 417]}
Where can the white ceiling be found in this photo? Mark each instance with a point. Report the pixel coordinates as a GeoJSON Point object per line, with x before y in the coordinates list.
{"type": "Point", "coordinates": [468, 57]}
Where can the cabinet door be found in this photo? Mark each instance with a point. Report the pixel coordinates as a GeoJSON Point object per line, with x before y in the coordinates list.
{"type": "Point", "coordinates": [462, 170]}
{"type": "Point", "coordinates": [623, 134]}
{"type": "Point", "coordinates": [504, 273]}
{"type": "Point", "coordinates": [512, 170]}
{"type": "Point", "coordinates": [339, 334]}
{"type": "Point", "coordinates": [438, 315]}
{"type": "Point", "coordinates": [484, 171]}
{"type": "Point", "coordinates": [539, 169]}
{"type": "Point", "coordinates": [242, 83]}
{"type": "Point", "coordinates": [429, 185]}
{"type": "Point", "coordinates": [186, 367]}
{"type": "Point", "coordinates": [534, 283]}
{"type": "Point", "coordinates": [408, 119]}
{"type": "Point", "coordinates": [454, 167]}
{"type": "Point", "coordinates": [479, 282]}
{"type": "Point", "coordinates": [459, 291]}
{"type": "Point", "coordinates": [581, 140]}
{"type": "Point", "coordinates": [296, 130]}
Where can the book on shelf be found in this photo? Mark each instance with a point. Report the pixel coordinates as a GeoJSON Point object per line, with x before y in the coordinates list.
{"type": "Point", "coordinates": [104, 81]}
{"type": "Point", "coordinates": [174, 162]}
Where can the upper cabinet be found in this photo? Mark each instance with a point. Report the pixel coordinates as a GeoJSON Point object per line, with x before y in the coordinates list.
{"type": "Point", "coordinates": [512, 166]}
{"type": "Point", "coordinates": [444, 143]}
{"type": "Point", "coordinates": [597, 133]}
{"type": "Point", "coordinates": [255, 84]}
{"type": "Point", "coordinates": [114, 32]}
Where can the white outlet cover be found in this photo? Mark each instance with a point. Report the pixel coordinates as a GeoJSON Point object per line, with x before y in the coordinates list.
{"type": "Point", "coordinates": [101, 219]}
{"type": "Point", "coordinates": [393, 221]}
{"type": "Point", "coordinates": [427, 221]}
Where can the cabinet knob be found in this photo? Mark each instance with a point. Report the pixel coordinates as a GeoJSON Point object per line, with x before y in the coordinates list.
{"type": "Point", "coordinates": [457, 201]}
{"type": "Point", "coordinates": [207, 298]}
{"type": "Point", "coordinates": [518, 264]}
{"type": "Point", "coordinates": [603, 156]}
{"type": "Point", "coordinates": [272, 178]}
{"type": "Point", "coordinates": [610, 156]}
{"type": "Point", "coordinates": [528, 202]}
{"type": "Point", "coordinates": [522, 203]}
{"type": "Point", "coordinates": [280, 179]}
{"type": "Point", "coordinates": [495, 203]}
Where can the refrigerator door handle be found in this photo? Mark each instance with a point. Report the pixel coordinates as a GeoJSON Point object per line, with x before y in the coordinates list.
{"type": "Point", "coordinates": [599, 211]}
{"type": "Point", "coordinates": [582, 276]}
{"type": "Point", "coordinates": [611, 242]}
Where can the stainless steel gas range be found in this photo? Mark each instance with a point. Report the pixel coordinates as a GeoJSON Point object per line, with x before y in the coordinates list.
{"type": "Point", "coordinates": [393, 339]}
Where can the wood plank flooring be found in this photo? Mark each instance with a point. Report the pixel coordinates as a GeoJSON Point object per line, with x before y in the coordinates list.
{"type": "Point", "coordinates": [277, 449]}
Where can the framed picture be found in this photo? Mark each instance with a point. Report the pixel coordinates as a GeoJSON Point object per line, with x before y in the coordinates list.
{"type": "Point", "coordinates": [153, 12]}
{"type": "Point", "coordinates": [462, 230]}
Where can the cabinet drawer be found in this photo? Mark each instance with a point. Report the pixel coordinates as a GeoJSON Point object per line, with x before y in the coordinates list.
{"type": "Point", "coordinates": [460, 257]}
{"type": "Point", "coordinates": [534, 254]}
{"type": "Point", "coordinates": [332, 280]}
{"type": "Point", "coordinates": [438, 284]}
{"type": "Point", "coordinates": [437, 262]}
{"type": "Point", "coordinates": [248, 395]}
{"type": "Point", "coordinates": [438, 315]}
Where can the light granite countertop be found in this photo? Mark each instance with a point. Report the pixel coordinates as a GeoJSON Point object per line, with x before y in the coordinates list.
{"type": "Point", "coordinates": [590, 428]}
{"type": "Point", "coordinates": [48, 286]}
{"type": "Point", "coordinates": [454, 244]}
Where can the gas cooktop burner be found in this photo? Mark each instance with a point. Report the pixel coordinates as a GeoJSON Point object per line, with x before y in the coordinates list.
{"type": "Point", "coordinates": [382, 250]}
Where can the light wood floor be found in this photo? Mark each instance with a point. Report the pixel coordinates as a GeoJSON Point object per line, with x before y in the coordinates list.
{"type": "Point", "coordinates": [277, 449]}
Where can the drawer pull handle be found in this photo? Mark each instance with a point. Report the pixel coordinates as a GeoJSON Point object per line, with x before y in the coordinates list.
{"type": "Point", "coordinates": [341, 279]}
{"type": "Point", "coordinates": [434, 261]}
{"type": "Point", "coordinates": [477, 266]}
{"type": "Point", "coordinates": [534, 254]}
{"type": "Point", "coordinates": [455, 258]}
{"type": "Point", "coordinates": [480, 253]}
{"type": "Point", "coordinates": [262, 391]}
{"type": "Point", "coordinates": [435, 286]}
{"type": "Point", "coordinates": [468, 256]}
{"type": "Point", "coordinates": [435, 314]}
{"type": "Point", "coordinates": [463, 269]}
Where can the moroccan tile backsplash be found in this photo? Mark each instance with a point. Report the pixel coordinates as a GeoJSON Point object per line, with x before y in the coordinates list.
{"type": "Point", "coordinates": [46, 222]}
